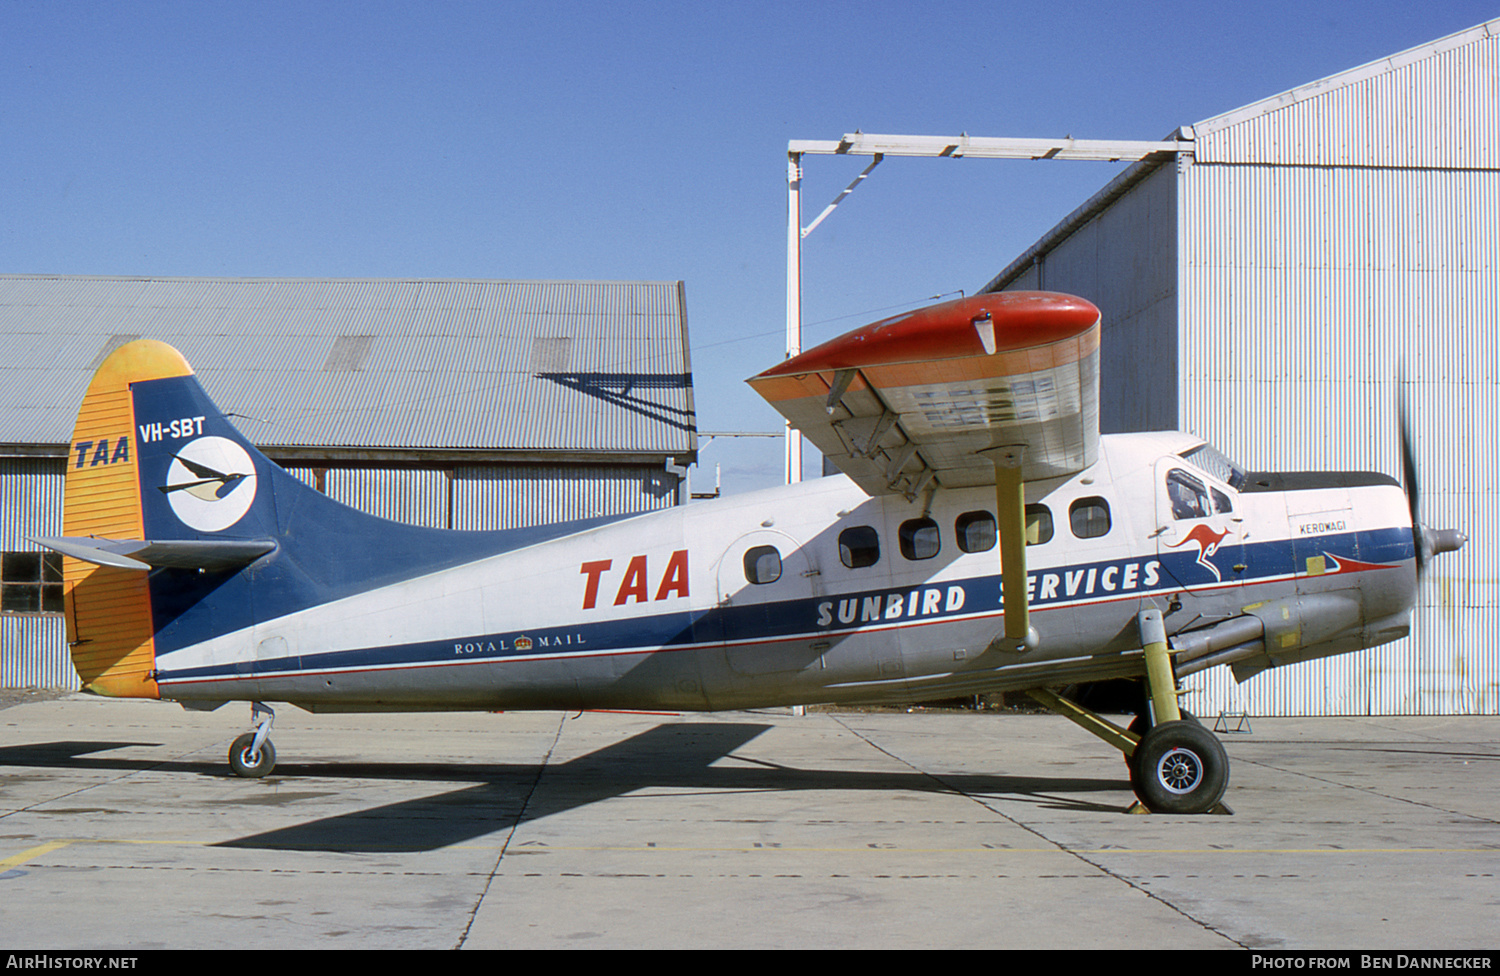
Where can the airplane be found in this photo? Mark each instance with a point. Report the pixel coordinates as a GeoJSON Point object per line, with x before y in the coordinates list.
{"type": "Point", "coordinates": [983, 537]}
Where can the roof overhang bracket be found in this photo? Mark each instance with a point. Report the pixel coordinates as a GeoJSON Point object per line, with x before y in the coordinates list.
{"type": "Point", "coordinates": [840, 198]}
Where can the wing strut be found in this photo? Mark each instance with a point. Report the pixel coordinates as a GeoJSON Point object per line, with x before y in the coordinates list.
{"type": "Point", "coordinates": [1010, 505]}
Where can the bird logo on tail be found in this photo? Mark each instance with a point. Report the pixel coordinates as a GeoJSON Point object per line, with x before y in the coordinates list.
{"type": "Point", "coordinates": [210, 484]}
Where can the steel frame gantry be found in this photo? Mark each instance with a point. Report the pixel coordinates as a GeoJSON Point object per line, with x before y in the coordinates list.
{"type": "Point", "coordinates": [947, 147]}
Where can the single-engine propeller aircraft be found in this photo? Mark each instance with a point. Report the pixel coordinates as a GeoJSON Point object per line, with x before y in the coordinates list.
{"type": "Point", "coordinates": [985, 537]}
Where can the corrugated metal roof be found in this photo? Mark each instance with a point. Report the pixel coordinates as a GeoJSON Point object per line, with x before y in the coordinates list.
{"type": "Point", "coordinates": [1436, 105]}
{"type": "Point", "coordinates": [560, 366]}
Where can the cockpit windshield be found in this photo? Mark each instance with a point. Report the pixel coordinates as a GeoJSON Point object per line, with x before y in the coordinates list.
{"type": "Point", "coordinates": [1207, 457]}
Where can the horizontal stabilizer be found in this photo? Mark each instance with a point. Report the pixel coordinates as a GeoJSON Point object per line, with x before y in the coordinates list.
{"type": "Point", "coordinates": [214, 555]}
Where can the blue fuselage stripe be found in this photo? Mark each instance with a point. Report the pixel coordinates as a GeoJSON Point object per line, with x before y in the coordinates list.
{"type": "Point", "coordinates": [921, 602]}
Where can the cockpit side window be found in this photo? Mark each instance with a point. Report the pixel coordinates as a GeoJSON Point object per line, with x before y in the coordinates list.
{"type": "Point", "coordinates": [1188, 496]}
{"type": "Point", "coordinates": [1222, 504]}
{"type": "Point", "coordinates": [1207, 457]}
{"type": "Point", "coordinates": [975, 531]}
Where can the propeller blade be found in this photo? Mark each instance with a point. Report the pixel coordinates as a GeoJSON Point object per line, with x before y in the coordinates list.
{"type": "Point", "coordinates": [1409, 479]}
{"type": "Point", "coordinates": [1427, 541]}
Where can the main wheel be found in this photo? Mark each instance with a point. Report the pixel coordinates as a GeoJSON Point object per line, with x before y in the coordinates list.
{"type": "Point", "coordinates": [1142, 721]}
{"type": "Point", "coordinates": [1140, 725]}
{"type": "Point", "coordinates": [1179, 767]}
{"type": "Point", "coordinates": [246, 762]}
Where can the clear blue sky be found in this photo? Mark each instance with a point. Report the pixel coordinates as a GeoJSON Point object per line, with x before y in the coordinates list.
{"type": "Point", "coordinates": [634, 141]}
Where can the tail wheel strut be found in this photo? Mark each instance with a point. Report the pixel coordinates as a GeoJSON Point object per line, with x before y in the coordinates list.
{"type": "Point", "coordinates": [252, 755]}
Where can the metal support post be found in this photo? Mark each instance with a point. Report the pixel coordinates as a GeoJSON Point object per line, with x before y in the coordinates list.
{"type": "Point", "coordinates": [793, 298]}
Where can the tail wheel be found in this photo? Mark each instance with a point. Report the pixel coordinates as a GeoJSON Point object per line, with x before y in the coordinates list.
{"type": "Point", "coordinates": [1179, 767]}
{"type": "Point", "coordinates": [245, 761]}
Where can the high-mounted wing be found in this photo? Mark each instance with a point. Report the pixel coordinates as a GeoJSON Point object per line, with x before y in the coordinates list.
{"type": "Point", "coordinates": [1001, 388]}
{"type": "Point", "coordinates": [913, 400]}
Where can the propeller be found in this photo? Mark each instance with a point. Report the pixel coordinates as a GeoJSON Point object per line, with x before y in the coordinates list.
{"type": "Point", "coordinates": [1428, 541]}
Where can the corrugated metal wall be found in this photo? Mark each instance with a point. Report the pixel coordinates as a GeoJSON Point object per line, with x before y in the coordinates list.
{"type": "Point", "coordinates": [1308, 291]}
{"type": "Point", "coordinates": [1325, 243]}
{"type": "Point", "coordinates": [417, 496]}
{"type": "Point", "coordinates": [503, 498]}
{"type": "Point", "coordinates": [1125, 261]}
{"type": "Point", "coordinates": [1434, 107]}
{"type": "Point", "coordinates": [33, 647]}
{"type": "Point", "coordinates": [31, 498]}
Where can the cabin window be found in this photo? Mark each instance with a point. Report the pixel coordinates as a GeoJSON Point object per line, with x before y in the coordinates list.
{"type": "Point", "coordinates": [859, 546]}
{"type": "Point", "coordinates": [975, 531]}
{"type": "Point", "coordinates": [762, 564]}
{"type": "Point", "coordinates": [919, 538]}
{"type": "Point", "coordinates": [31, 582]}
{"type": "Point", "coordinates": [1188, 496]}
{"type": "Point", "coordinates": [1039, 525]}
{"type": "Point", "coordinates": [1089, 517]}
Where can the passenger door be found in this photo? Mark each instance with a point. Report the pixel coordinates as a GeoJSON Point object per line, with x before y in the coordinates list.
{"type": "Point", "coordinates": [767, 591]}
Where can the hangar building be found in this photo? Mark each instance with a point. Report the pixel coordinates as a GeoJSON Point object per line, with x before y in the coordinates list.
{"type": "Point", "coordinates": [1275, 289]}
{"type": "Point", "coordinates": [452, 403]}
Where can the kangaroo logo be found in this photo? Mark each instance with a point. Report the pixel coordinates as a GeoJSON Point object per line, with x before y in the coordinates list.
{"type": "Point", "coordinates": [1207, 541]}
{"type": "Point", "coordinates": [210, 484]}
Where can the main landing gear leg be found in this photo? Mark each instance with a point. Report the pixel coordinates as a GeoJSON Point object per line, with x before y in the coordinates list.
{"type": "Point", "coordinates": [1176, 765]}
{"type": "Point", "coordinates": [252, 754]}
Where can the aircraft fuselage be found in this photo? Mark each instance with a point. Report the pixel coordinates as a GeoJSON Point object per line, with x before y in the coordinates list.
{"type": "Point", "coordinates": [819, 593]}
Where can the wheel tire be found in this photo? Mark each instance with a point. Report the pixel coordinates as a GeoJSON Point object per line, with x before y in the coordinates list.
{"type": "Point", "coordinates": [246, 763]}
{"type": "Point", "coordinates": [1142, 722]}
{"type": "Point", "coordinates": [1179, 767]}
{"type": "Point", "coordinates": [1140, 725]}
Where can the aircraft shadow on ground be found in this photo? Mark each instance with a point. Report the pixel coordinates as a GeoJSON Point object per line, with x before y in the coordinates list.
{"type": "Point", "coordinates": [677, 757]}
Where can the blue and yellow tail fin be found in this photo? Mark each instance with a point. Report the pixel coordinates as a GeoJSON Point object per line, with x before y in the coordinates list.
{"type": "Point", "coordinates": [108, 607]}
{"type": "Point", "coordinates": [178, 532]}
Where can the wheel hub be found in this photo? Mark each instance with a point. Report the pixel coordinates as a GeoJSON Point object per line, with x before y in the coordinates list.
{"type": "Point", "coordinates": [1179, 771]}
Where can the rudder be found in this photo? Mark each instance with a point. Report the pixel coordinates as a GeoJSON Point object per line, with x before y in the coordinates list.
{"type": "Point", "coordinates": [108, 609]}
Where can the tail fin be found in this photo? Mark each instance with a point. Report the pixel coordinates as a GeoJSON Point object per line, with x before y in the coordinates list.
{"type": "Point", "coordinates": [157, 479]}
{"type": "Point", "coordinates": [108, 608]}
{"type": "Point", "coordinates": [180, 534]}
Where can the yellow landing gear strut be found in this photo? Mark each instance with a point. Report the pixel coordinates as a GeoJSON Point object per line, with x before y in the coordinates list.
{"type": "Point", "coordinates": [1176, 765]}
